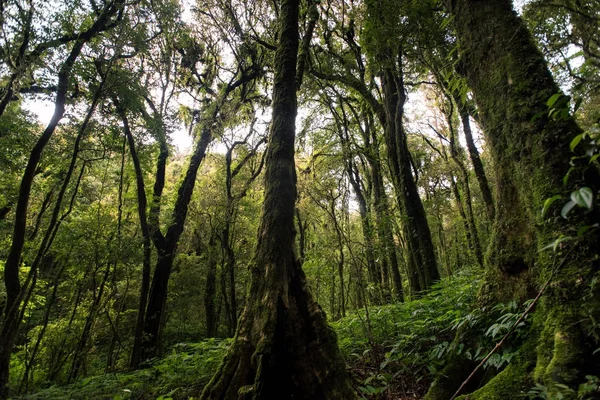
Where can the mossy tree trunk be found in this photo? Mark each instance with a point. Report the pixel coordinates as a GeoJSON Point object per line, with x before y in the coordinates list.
{"type": "Point", "coordinates": [387, 56]}
{"type": "Point", "coordinates": [387, 246]}
{"type": "Point", "coordinates": [511, 84]}
{"type": "Point", "coordinates": [478, 168]}
{"type": "Point", "coordinates": [416, 227]}
{"type": "Point", "coordinates": [456, 153]}
{"type": "Point", "coordinates": [283, 347]}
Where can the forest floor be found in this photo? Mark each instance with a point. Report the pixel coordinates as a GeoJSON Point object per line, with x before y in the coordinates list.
{"type": "Point", "coordinates": [393, 351]}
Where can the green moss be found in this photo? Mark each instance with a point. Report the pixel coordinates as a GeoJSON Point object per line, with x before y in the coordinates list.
{"type": "Point", "coordinates": [455, 372]}
{"type": "Point", "coordinates": [512, 382]}
{"type": "Point", "coordinates": [499, 287]}
{"type": "Point", "coordinates": [560, 349]}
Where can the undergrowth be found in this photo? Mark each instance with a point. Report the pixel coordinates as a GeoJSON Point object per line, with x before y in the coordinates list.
{"type": "Point", "coordinates": [396, 351]}
{"type": "Point", "coordinates": [393, 351]}
{"type": "Point", "coordinates": [180, 375]}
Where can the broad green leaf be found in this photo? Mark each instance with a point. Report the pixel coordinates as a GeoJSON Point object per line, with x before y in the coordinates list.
{"type": "Point", "coordinates": [584, 197]}
{"type": "Point", "coordinates": [594, 158]}
{"type": "Point", "coordinates": [553, 99]}
{"type": "Point", "coordinates": [567, 208]}
{"type": "Point", "coordinates": [575, 141]}
{"type": "Point", "coordinates": [548, 203]}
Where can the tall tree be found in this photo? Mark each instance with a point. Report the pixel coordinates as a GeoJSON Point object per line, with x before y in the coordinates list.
{"type": "Point", "coordinates": [283, 347]}
{"type": "Point", "coordinates": [387, 57]}
{"type": "Point", "coordinates": [511, 85]}
{"type": "Point", "coordinates": [15, 291]}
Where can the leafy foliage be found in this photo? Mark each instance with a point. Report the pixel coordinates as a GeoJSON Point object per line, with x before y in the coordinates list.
{"type": "Point", "coordinates": [180, 375]}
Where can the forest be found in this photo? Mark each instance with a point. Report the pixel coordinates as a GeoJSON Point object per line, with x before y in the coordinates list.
{"type": "Point", "coordinates": [300, 199]}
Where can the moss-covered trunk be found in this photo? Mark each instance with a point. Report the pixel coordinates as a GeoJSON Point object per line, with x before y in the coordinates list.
{"type": "Point", "coordinates": [387, 246]}
{"type": "Point", "coordinates": [511, 84]}
{"type": "Point", "coordinates": [283, 347]}
{"type": "Point", "coordinates": [482, 180]}
{"type": "Point", "coordinates": [416, 227]}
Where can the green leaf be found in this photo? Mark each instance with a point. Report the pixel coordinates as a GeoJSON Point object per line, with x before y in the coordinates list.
{"type": "Point", "coordinates": [575, 141]}
{"type": "Point", "coordinates": [567, 208]}
{"type": "Point", "coordinates": [553, 99]}
{"type": "Point", "coordinates": [594, 158]}
{"type": "Point", "coordinates": [566, 177]}
{"type": "Point", "coordinates": [445, 22]}
{"type": "Point", "coordinates": [548, 203]}
{"type": "Point", "coordinates": [537, 116]}
{"type": "Point", "coordinates": [582, 230]}
{"type": "Point", "coordinates": [584, 197]}
{"type": "Point", "coordinates": [554, 245]}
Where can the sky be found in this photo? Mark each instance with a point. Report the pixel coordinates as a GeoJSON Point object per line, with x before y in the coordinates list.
{"type": "Point", "coordinates": [416, 106]}
{"type": "Point", "coordinates": [44, 109]}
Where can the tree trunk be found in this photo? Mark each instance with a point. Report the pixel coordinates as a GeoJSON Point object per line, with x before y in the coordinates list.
{"type": "Point", "coordinates": [210, 292]}
{"type": "Point", "coordinates": [136, 352]}
{"type": "Point", "coordinates": [367, 230]}
{"type": "Point", "coordinates": [283, 348]}
{"type": "Point", "coordinates": [482, 180]}
{"type": "Point", "coordinates": [415, 223]}
{"type": "Point", "coordinates": [157, 300]}
{"type": "Point", "coordinates": [511, 84]}
{"type": "Point", "coordinates": [377, 274]}
{"type": "Point", "coordinates": [456, 152]}
{"type": "Point", "coordinates": [382, 218]}
{"type": "Point", "coordinates": [463, 217]}
{"type": "Point", "coordinates": [79, 354]}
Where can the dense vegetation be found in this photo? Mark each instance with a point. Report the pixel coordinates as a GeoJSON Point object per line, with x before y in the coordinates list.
{"type": "Point", "coordinates": [382, 199]}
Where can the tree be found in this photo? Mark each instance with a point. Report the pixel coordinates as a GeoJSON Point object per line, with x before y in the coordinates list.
{"type": "Point", "coordinates": [388, 60]}
{"type": "Point", "coordinates": [283, 347]}
{"type": "Point", "coordinates": [511, 86]}
{"type": "Point", "coordinates": [15, 292]}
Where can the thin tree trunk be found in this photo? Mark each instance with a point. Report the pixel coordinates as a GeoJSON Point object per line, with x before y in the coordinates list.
{"type": "Point", "coordinates": [416, 227]}
{"type": "Point", "coordinates": [382, 219]}
{"type": "Point", "coordinates": [79, 355]}
{"type": "Point", "coordinates": [136, 352]}
{"type": "Point", "coordinates": [14, 294]}
{"type": "Point", "coordinates": [153, 320]}
{"type": "Point", "coordinates": [482, 180]}
{"type": "Point", "coordinates": [210, 291]}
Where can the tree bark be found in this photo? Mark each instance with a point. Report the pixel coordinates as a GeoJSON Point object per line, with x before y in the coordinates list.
{"type": "Point", "coordinates": [482, 180]}
{"type": "Point", "coordinates": [511, 84]}
{"type": "Point", "coordinates": [136, 352]}
{"type": "Point", "coordinates": [382, 215]}
{"type": "Point", "coordinates": [210, 291]}
{"type": "Point", "coordinates": [416, 227]}
{"type": "Point", "coordinates": [157, 300]}
{"type": "Point", "coordinates": [283, 347]}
